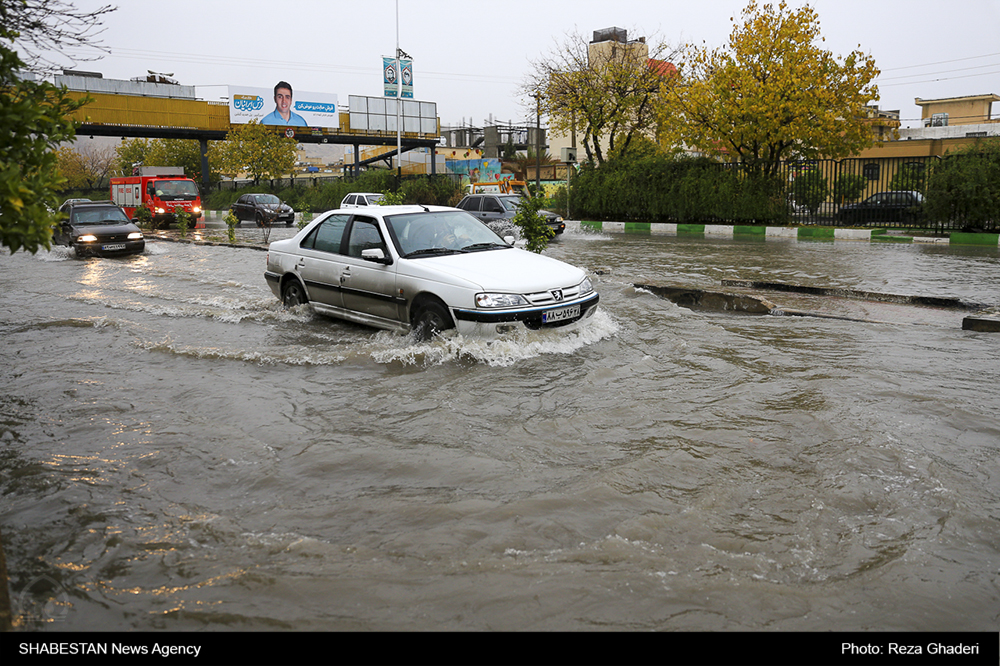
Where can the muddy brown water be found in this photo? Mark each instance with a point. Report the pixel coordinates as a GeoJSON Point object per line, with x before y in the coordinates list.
{"type": "Point", "coordinates": [177, 452]}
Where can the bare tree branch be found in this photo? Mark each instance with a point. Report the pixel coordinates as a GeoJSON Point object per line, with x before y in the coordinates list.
{"type": "Point", "coordinates": [43, 31]}
{"type": "Point", "coordinates": [603, 93]}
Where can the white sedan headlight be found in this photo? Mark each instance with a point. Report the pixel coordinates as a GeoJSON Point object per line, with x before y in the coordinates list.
{"type": "Point", "coordinates": [586, 287]}
{"type": "Point", "coordinates": [499, 300]}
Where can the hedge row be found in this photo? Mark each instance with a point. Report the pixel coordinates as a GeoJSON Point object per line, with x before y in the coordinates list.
{"type": "Point", "coordinates": [430, 190]}
{"type": "Point", "coordinates": [656, 188]}
{"type": "Point", "coordinates": [965, 187]}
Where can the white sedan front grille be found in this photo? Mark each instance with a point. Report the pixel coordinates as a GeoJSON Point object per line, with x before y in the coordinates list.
{"type": "Point", "coordinates": [553, 296]}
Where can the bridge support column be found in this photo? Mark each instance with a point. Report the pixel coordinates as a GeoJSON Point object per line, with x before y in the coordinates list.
{"type": "Point", "coordinates": [205, 179]}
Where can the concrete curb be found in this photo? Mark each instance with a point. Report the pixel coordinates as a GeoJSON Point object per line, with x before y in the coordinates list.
{"type": "Point", "coordinates": [172, 236]}
{"type": "Point", "coordinates": [779, 233]}
{"type": "Point", "coordinates": [982, 323]}
{"type": "Point", "coordinates": [220, 216]}
{"type": "Point", "coordinates": [926, 301]}
{"type": "Point", "coordinates": [751, 304]}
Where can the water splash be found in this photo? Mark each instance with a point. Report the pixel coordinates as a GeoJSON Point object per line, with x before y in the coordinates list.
{"type": "Point", "coordinates": [502, 351]}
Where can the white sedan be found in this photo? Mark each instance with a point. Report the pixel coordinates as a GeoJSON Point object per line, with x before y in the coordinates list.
{"type": "Point", "coordinates": [424, 269]}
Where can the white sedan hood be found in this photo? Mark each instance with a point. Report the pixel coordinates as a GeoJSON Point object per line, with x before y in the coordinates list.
{"type": "Point", "coordinates": [510, 271]}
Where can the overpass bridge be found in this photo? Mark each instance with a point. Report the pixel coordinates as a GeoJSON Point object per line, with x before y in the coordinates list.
{"type": "Point", "coordinates": [154, 117]}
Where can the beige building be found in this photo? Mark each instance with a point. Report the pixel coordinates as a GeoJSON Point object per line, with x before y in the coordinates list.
{"type": "Point", "coordinates": [973, 110]}
{"type": "Point", "coordinates": [948, 124]}
{"type": "Point", "coordinates": [884, 124]}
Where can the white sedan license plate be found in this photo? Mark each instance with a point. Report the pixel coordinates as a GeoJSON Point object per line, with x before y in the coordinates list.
{"type": "Point", "coordinates": [111, 247]}
{"type": "Point", "coordinates": [561, 315]}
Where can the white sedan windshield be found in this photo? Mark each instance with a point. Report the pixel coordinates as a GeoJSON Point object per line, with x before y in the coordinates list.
{"type": "Point", "coordinates": [454, 231]}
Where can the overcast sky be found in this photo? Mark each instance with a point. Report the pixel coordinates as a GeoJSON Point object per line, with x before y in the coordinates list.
{"type": "Point", "coordinates": [469, 56]}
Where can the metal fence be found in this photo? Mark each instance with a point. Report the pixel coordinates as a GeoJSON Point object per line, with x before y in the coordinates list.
{"type": "Point", "coordinates": [304, 180]}
{"type": "Point", "coordinates": [854, 191]}
{"type": "Point", "coordinates": [307, 180]}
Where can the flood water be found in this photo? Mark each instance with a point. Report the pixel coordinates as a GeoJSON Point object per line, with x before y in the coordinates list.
{"type": "Point", "coordinates": [177, 452]}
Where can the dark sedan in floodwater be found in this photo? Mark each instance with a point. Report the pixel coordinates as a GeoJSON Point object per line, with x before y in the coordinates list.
{"type": "Point", "coordinates": [98, 228]}
{"type": "Point", "coordinates": [264, 209]}
{"type": "Point", "coordinates": [496, 207]}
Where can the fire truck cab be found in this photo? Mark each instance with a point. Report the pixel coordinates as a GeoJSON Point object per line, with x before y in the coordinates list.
{"type": "Point", "coordinates": [163, 190]}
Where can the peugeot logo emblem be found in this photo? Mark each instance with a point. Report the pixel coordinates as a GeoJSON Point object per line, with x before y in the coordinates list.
{"type": "Point", "coordinates": [557, 294]}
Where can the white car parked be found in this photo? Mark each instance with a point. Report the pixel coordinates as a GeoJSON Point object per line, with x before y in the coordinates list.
{"type": "Point", "coordinates": [424, 269]}
{"type": "Point", "coordinates": [360, 200]}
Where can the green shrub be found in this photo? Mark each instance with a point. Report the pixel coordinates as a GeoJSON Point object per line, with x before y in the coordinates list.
{"type": "Point", "coordinates": [532, 225]}
{"type": "Point", "coordinates": [144, 216]}
{"type": "Point", "coordinates": [231, 222]}
{"type": "Point", "coordinates": [305, 217]}
{"type": "Point", "coordinates": [391, 198]}
{"type": "Point", "coordinates": [965, 187]}
{"type": "Point", "coordinates": [809, 189]}
{"type": "Point", "coordinates": [431, 190]}
{"type": "Point", "coordinates": [557, 202]}
{"type": "Point", "coordinates": [849, 187]}
{"type": "Point", "coordinates": [183, 219]}
{"type": "Point", "coordinates": [910, 177]}
{"type": "Point", "coordinates": [656, 187]}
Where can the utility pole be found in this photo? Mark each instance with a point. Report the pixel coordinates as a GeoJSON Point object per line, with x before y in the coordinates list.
{"type": "Point", "coordinates": [538, 143]}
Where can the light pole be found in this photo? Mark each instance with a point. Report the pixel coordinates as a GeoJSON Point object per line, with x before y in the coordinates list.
{"type": "Point", "coordinates": [399, 106]}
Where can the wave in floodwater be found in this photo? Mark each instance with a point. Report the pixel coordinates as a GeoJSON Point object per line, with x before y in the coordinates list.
{"type": "Point", "coordinates": [356, 344]}
{"type": "Point", "coordinates": [505, 350]}
{"type": "Point", "coordinates": [190, 308]}
{"type": "Point", "coordinates": [230, 310]}
{"type": "Point", "coordinates": [320, 334]}
{"type": "Point", "coordinates": [64, 253]}
{"type": "Point", "coordinates": [586, 233]}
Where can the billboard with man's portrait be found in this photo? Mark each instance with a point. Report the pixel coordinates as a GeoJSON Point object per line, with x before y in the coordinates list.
{"type": "Point", "coordinates": [283, 106]}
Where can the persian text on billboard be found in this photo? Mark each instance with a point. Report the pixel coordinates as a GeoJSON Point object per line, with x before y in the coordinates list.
{"type": "Point", "coordinates": [308, 109]}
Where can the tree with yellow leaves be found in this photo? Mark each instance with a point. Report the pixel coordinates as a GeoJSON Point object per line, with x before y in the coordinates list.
{"type": "Point", "coordinates": [772, 94]}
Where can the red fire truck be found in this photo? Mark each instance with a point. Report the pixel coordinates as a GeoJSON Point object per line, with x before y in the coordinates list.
{"type": "Point", "coordinates": [162, 189]}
